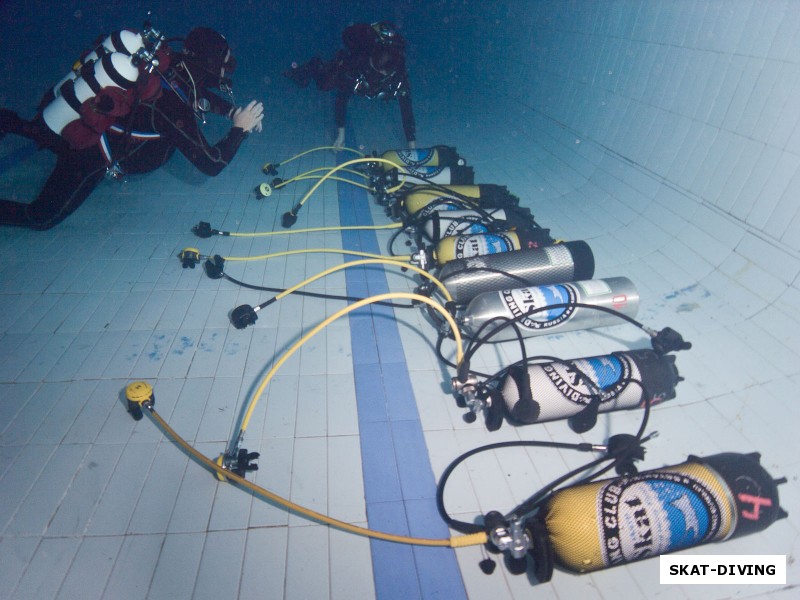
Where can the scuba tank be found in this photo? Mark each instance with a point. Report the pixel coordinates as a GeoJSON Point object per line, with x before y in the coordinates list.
{"type": "Point", "coordinates": [436, 156]}
{"type": "Point", "coordinates": [113, 70]}
{"type": "Point", "coordinates": [617, 293]}
{"type": "Point", "coordinates": [578, 389]}
{"type": "Point", "coordinates": [482, 244]}
{"type": "Point", "coordinates": [444, 223]}
{"type": "Point", "coordinates": [125, 41]}
{"type": "Point", "coordinates": [455, 175]}
{"type": "Point", "coordinates": [466, 278]}
{"type": "Point", "coordinates": [427, 199]}
{"type": "Point", "coordinates": [592, 526]}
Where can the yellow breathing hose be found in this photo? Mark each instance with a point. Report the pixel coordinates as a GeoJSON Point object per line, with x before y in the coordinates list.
{"type": "Point", "coordinates": [316, 250]}
{"type": "Point", "coordinates": [319, 229]}
{"type": "Point", "coordinates": [296, 156]}
{"type": "Point", "coordinates": [474, 539]}
{"type": "Point", "coordinates": [347, 309]}
{"type": "Point", "coordinates": [369, 261]}
{"type": "Point", "coordinates": [309, 174]}
{"type": "Point", "coordinates": [342, 166]}
{"type": "Point", "coordinates": [342, 179]}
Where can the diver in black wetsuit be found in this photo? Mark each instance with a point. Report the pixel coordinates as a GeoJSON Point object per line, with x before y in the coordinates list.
{"type": "Point", "coordinates": [371, 65]}
{"type": "Point", "coordinates": [145, 138]}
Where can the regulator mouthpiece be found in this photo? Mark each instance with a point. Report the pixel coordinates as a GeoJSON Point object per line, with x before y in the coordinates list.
{"type": "Point", "coordinates": [263, 190]}
{"type": "Point", "coordinates": [214, 267]}
{"type": "Point", "coordinates": [242, 316]}
{"type": "Point", "coordinates": [189, 257]}
{"type": "Point", "coordinates": [203, 230]}
{"type": "Point", "coordinates": [288, 219]}
{"type": "Point", "coordinates": [137, 394]}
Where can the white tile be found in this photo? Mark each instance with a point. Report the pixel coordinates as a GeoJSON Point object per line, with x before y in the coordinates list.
{"type": "Point", "coordinates": [45, 572]}
{"type": "Point", "coordinates": [91, 568]}
{"type": "Point", "coordinates": [264, 564]}
{"type": "Point", "coordinates": [308, 569]}
{"type": "Point", "coordinates": [178, 565]}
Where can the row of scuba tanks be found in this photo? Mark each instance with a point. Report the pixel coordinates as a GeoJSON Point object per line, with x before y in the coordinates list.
{"type": "Point", "coordinates": [500, 266]}
{"type": "Point", "coordinates": [509, 280]}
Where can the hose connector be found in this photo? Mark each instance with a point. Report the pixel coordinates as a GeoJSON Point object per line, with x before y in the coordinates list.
{"type": "Point", "coordinates": [239, 462]}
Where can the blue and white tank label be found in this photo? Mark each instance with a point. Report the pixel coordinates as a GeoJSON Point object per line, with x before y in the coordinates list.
{"type": "Point", "coordinates": [480, 245]}
{"type": "Point", "coordinates": [439, 204]}
{"type": "Point", "coordinates": [655, 513]}
{"type": "Point", "coordinates": [463, 226]}
{"type": "Point", "coordinates": [423, 172]}
{"type": "Point", "coordinates": [535, 300]}
{"type": "Point", "coordinates": [607, 376]}
{"type": "Point", "coordinates": [415, 157]}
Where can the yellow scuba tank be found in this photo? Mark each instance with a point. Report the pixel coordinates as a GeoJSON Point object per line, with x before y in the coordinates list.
{"type": "Point", "coordinates": [426, 199]}
{"type": "Point", "coordinates": [616, 521]}
{"type": "Point", "coordinates": [436, 156]}
{"type": "Point", "coordinates": [481, 244]}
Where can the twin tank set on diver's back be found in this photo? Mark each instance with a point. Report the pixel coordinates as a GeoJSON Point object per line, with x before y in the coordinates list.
{"type": "Point", "coordinates": [99, 88]}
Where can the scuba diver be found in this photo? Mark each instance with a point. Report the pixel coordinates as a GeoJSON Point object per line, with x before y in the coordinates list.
{"type": "Point", "coordinates": [144, 102]}
{"type": "Point", "coordinates": [371, 65]}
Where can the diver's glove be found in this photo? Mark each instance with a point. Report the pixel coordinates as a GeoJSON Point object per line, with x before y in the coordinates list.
{"type": "Point", "coordinates": [249, 117]}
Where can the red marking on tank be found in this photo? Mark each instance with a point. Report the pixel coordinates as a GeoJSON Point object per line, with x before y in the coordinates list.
{"type": "Point", "coordinates": [757, 502]}
{"type": "Point", "coordinates": [619, 300]}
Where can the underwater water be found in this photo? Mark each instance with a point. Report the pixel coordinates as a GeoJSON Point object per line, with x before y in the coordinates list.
{"type": "Point", "coordinates": [666, 135]}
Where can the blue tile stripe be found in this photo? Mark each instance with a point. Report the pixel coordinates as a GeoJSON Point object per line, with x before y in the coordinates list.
{"type": "Point", "coordinates": [399, 485]}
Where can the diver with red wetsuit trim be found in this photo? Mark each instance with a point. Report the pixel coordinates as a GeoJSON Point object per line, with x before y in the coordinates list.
{"type": "Point", "coordinates": [371, 65]}
{"type": "Point", "coordinates": [143, 136]}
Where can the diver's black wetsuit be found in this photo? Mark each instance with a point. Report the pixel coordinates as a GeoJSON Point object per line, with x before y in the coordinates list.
{"type": "Point", "coordinates": [351, 64]}
{"type": "Point", "coordinates": [78, 172]}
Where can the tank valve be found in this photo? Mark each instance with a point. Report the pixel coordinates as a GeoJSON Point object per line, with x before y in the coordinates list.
{"type": "Point", "coordinates": [510, 537]}
{"type": "Point", "coordinates": [138, 394]}
{"type": "Point", "coordinates": [468, 396]}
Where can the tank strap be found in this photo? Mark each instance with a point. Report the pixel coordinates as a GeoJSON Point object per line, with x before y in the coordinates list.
{"type": "Point", "coordinates": [67, 91]}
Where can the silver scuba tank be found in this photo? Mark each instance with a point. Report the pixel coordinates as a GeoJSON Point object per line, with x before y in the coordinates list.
{"type": "Point", "coordinates": [465, 278]}
{"type": "Point", "coordinates": [490, 310]}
